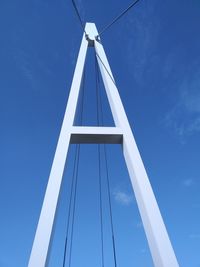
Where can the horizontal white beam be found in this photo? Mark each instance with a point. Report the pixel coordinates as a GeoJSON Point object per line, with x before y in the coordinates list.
{"type": "Point", "coordinates": [96, 135]}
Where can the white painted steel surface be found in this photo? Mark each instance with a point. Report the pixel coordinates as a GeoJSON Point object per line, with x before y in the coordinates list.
{"type": "Point", "coordinates": [159, 243]}
{"type": "Point", "coordinates": [96, 130]}
{"type": "Point", "coordinates": [41, 244]}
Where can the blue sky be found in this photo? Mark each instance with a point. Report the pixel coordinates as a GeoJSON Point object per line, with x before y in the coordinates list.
{"type": "Point", "coordinates": [154, 55]}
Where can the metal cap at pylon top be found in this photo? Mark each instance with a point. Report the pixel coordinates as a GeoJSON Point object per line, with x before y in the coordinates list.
{"type": "Point", "coordinates": [91, 33]}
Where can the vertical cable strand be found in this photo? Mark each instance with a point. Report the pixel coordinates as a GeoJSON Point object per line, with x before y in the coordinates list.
{"type": "Point", "coordinates": [107, 171]}
{"type": "Point", "coordinates": [100, 205]}
{"type": "Point", "coordinates": [77, 170]}
{"type": "Point", "coordinates": [70, 205]}
{"type": "Point", "coordinates": [99, 170]}
{"type": "Point", "coordinates": [74, 206]}
{"type": "Point", "coordinates": [74, 182]}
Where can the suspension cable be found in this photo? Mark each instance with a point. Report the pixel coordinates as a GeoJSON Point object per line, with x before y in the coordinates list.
{"type": "Point", "coordinates": [99, 170]}
{"type": "Point", "coordinates": [103, 64]}
{"type": "Point", "coordinates": [100, 205]}
{"type": "Point", "coordinates": [108, 25]}
{"type": "Point", "coordinates": [74, 206]}
{"type": "Point", "coordinates": [110, 206]}
{"type": "Point", "coordinates": [78, 15]}
{"type": "Point", "coordinates": [70, 206]}
{"type": "Point", "coordinates": [107, 171]}
{"type": "Point", "coordinates": [117, 18]}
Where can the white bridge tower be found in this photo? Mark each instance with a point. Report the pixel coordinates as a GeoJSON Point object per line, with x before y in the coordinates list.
{"type": "Point", "coordinates": [159, 243]}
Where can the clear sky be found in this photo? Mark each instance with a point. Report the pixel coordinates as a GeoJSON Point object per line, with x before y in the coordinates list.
{"type": "Point", "coordinates": [154, 55]}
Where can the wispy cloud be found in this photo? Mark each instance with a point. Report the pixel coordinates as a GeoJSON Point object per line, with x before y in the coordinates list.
{"type": "Point", "coordinates": [139, 225]}
{"type": "Point", "coordinates": [184, 116]}
{"type": "Point", "coordinates": [194, 236]}
{"type": "Point", "coordinates": [122, 197]}
{"type": "Point", "coordinates": [187, 182]}
{"type": "Point", "coordinates": [190, 96]}
{"type": "Point", "coordinates": [31, 65]}
{"type": "Point", "coordinates": [143, 250]}
{"type": "Point", "coordinates": [141, 52]}
{"type": "Point", "coordinates": [23, 61]}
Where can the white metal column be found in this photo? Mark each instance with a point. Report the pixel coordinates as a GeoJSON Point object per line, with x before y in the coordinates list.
{"type": "Point", "coordinates": [159, 243]}
{"type": "Point", "coordinates": [41, 244]}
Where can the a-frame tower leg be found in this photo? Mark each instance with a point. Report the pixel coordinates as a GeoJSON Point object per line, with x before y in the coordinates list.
{"type": "Point", "coordinates": [159, 243]}
{"type": "Point", "coordinates": [41, 244]}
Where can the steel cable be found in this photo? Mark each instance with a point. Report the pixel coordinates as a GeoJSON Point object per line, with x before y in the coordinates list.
{"type": "Point", "coordinates": [99, 171]}
{"type": "Point", "coordinates": [118, 17]}
{"type": "Point", "coordinates": [78, 15]}
{"type": "Point", "coordinates": [100, 106]}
